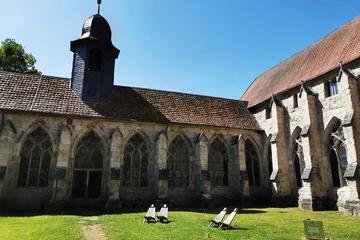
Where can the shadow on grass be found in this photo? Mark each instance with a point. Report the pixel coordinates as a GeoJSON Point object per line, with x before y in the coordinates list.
{"type": "Point", "coordinates": [214, 210]}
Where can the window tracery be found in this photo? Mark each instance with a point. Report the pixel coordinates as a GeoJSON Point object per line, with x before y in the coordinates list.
{"type": "Point", "coordinates": [35, 160]}
{"type": "Point", "coordinates": [252, 165]}
{"type": "Point", "coordinates": [178, 158]}
{"type": "Point", "coordinates": [218, 164]}
{"type": "Point", "coordinates": [337, 155]}
{"type": "Point", "coordinates": [136, 159]}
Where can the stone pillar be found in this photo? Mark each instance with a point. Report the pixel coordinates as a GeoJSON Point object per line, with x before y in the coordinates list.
{"type": "Point", "coordinates": [351, 127]}
{"type": "Point", "coordinates": [60, 184]}
{"type": "Point", "coordinates": [311, 195]}
{"type": "Point", "coordinates": [280, 177]}
{"type": "Point", "coordinates": [7, 134]}
{"type": "Point", "coordinates": [161, 173]}
{"type": "Point", "coordinates": [241, 186]}
{"type": "Point", "coordinates": [201, 166]}
{"type": "Point", "coordinates": [113, 203]}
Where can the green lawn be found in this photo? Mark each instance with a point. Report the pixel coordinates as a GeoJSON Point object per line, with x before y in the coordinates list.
{"type": "Point", "coordinates": [250, 223]}
{"type": "Point", "coordinates": [40, 227]}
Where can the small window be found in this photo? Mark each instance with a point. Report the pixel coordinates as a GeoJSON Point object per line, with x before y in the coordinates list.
{"type": "Point", "coordinates": [268, 112]}
{"type": "Point", "coordinates": [331, 88]}
{"type": "Point", "coordinates": [91, 91]}
{"type": "Point", "coordinates": [95, 60]}
{"type": "Point", "coordinates": [296, 103]}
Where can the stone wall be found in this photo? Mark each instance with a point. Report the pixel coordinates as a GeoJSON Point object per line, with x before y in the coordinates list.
{"type": "Point", "coordinates": [65, 134]}
{"type": "Point", "coordinates": [313, 119]}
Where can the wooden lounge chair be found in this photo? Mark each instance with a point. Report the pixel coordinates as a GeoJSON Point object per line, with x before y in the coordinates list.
{"type": "Point", "coordinates": [227, 223]}
{"type": "Point", "coordinates": [163, 214]}
{"type": "Point", "coordinates": [217, 220]}
{"type": "Point", "coordinates": [150, 214]}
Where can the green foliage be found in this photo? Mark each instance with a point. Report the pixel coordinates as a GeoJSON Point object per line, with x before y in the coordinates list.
{"type": "Point", "coordinates": [13, 58]}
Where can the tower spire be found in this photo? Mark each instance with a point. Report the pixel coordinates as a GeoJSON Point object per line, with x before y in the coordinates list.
{"type": "Point", "coordinates": [99, 3]}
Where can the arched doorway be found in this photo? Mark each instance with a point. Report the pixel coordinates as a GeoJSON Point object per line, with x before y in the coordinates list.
{"type": "Point", "coordinates": [88, 167]}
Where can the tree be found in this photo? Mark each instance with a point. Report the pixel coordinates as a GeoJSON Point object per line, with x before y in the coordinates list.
{"type": "Point", "coordinates": [13, 58]}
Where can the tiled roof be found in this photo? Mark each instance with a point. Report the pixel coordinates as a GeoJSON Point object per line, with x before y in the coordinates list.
{"type": "Point", "coordinates": [32, 93]}
{"type": "Point", "coordinates": [316, 60]}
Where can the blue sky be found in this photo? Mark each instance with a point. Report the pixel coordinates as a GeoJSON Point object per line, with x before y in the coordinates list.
{"type": "Point", "coordinates": [206, 47]}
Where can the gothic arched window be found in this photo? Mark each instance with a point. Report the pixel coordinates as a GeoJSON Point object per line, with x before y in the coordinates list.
{"type": "Point", "coordinates": [35, 160]}
{"type": "Point", "coordinates": [252, 164]}
{"type": "Point", "coordinates": [88, 166]}
{"type": "Point", "coordinates": [299, 161]}
{"type": "Point", "coordinates": [95, 60]}
{"type": "Point", "coordinates": [136, 159]}
{"type": "Point", "coordinates": [218, 164]}
{"type": "Point", "coordinates": [337, 155]}
{"type": "Point", "coordinates": [178, 159]}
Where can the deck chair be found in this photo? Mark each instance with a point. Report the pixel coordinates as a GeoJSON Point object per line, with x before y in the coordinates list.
{"type": "Point", "coordinates": [217, 220]}
{"type": "Point", "coordinates": [227, 223]}
{"type": "Point", "coordinates": [163, 214]}
{"type": "Point", "coordinates": [150, 214]}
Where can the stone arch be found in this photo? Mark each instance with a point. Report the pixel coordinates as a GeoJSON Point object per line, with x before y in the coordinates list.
{"type": "Point", "coordinates": [222, 139]}
{"type": "Point", "coordinates": [186, 140]}
{"type": "Point", "coordinates": [76, 139]}
{"type": "Point", "coordinates": [7, 124]}
{"type": "Point", "coordinates": [89, 165]}
{"type": "Point", "coordinates": [253, 162]}
{"type": "Point", "coordinates": [268, 155]}
{"type": "Point", "coordinates": [36, 157]}
{"type": "Point", "coordinates": [219, 161]}
{"type": "Point", "coordinates": [21, 136]}
{"type": "Point", "coordinates": [137, 156]}
{"type": "Point", "coordinates": [178, 161]}
{"type": "Point", "coordinates": [335, 152]}
{"type": "Point", "coordinates": [297, 156]}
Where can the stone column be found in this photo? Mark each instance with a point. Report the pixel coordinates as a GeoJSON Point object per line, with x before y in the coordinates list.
{"type": "Point", "coordinates": [113, 203]}
{"type": "Point", "coordinates": [280, 177]}
{"type": "Point", "coordinates": [7, 134]}
{"type": "Point", "coordinates": [161, 173]}
{"type": "Point", "coordinates": [351, 128]}
{"type": "Point", "coordinates": [313, 190]}
{"type": "Point", "coordinates": [241, 186]}
{"type": "Point", "coordinates": [203, 184]}
{"type": "Point", "coordinates": [60, 184]}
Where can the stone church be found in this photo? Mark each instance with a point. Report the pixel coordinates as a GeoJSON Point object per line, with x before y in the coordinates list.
{"type": "Point", "coordinates": [291, 140]}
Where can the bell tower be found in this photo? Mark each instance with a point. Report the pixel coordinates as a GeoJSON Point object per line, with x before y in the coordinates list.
{"type": "Point", "coordinates": [94, 60]}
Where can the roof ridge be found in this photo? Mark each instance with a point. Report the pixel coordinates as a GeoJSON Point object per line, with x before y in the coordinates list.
{"type": "Point", "coordinates": [33, 74]}
{"type": "Point", "coordinates": [348, 23]}
{"type": "Point", "coordinates": [181, 93]}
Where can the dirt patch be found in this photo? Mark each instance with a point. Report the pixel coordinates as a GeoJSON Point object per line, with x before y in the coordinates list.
{"type": "Point", "coordinates": [92, 232]}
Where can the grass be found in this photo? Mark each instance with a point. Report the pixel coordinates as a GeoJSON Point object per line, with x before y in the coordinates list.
{"type": "Point", "coordinates": [254, 223]}
{"type": "Point", "coordinates": [40, 227]}
{"type": "Point", "coordinates": [250, 223]}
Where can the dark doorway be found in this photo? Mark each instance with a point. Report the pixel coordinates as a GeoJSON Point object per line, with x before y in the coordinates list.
{"type": "Point", "coordinates": [334, 168]}
{"type": "Point", "coordinates": [94, 184]}
{"type": "Point", "coordinates": [79, 184]}
{"type": "Point", "coordinates": [86, 184]}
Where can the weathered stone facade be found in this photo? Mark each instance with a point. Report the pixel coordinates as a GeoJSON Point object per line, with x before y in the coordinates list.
{"type": "Point", "coordinates": [66, 133]}
{"type": "Point", "coordinates": [312, 120]}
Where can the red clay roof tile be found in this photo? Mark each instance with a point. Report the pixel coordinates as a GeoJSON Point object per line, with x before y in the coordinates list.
{"type": "Point", "coordinates": [323, 56]}
{"type": "Point", "coordinates": [53, 95]}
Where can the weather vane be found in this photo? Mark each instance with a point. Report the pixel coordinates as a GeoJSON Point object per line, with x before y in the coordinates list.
{"type": "Point", "coordinates": [99, 2]}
